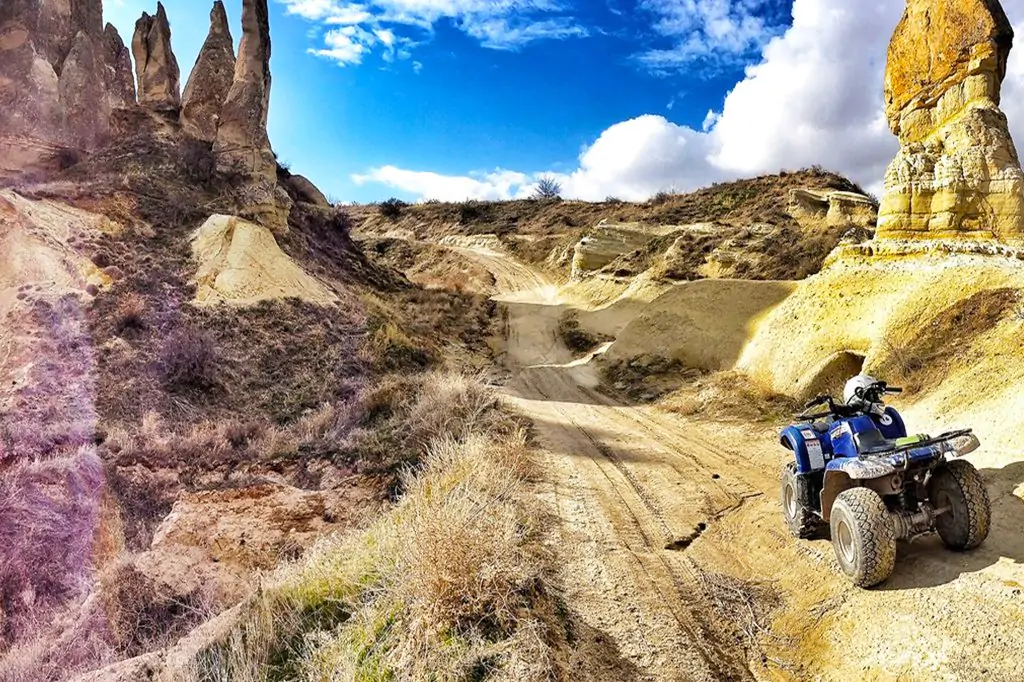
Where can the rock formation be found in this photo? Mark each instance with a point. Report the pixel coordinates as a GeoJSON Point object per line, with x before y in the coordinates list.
{"type": "Point", "coordinates": [605, 243]}
{"type": "Point", "coordinates": [240, 263]}
{"type": "Point", "coordinates": [832, 208]}
{"type": "Point", "coordinates": [57, 67]}
{"type": "Point", "coordinates": [118, 75]}
{"type": "Point", "coordinates": [82, 93]}
{"type": "Point", "coordinates": [211, 79]}
{"type": "Point", "coordinates": [957, 173]}
{"type": "Point", "coordinates": [155, 65]}
{"type": "Point", "coordinates": [302, 189]}
{"type": "Point", "coordinates": [242, 145]}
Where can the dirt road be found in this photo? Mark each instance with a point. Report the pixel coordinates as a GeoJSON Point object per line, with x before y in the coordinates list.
{"type": "Point", "coordinates": [675, 562]}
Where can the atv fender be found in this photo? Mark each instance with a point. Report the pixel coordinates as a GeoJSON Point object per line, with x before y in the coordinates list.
{"type": "Point", "coordinates": [843, 474]}
{"type": "Point", "coordinates": [805, 443]}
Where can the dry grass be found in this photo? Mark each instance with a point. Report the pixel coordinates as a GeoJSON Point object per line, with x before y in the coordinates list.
{"type": "Point", "coordinates": [575, 337]}
{"type": "Point", "coordinates": [449, 585]}
{"type": "Point", "coordinates": [730, 395]}
{"type": "Point", "coordinates": [921, 359]}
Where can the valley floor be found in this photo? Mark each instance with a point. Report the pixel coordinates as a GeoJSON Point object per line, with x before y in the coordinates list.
{"type": "Point", "coordinates": [676, 564]}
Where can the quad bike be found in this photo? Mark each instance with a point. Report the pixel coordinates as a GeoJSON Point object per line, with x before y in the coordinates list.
{"type": "Point", "coordinates": [856, 469]}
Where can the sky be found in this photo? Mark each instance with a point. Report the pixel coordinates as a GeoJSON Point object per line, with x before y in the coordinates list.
{"type": "Point", "coordinates": [478, 99]}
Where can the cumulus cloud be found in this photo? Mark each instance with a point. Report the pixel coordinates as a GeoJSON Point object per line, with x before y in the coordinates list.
{"type": "Point", "coordinates": [396, 26]}
{"type": "Point", "coordinates": [710, 32]}
{"type": "Point", "coordinates": [814, 97]}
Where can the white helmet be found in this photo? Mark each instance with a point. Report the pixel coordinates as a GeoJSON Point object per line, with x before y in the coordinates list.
{"type": "Point", "coordinates": [861, 381]}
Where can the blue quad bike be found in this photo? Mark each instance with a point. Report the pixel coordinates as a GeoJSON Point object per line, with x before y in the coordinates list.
{"type": "Point", "coordinates": [857, 471]}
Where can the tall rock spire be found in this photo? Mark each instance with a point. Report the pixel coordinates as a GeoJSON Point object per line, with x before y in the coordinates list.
{"type": "Point", "coordinates": [155, 64]}
{"type": "Point", "coordinates": [211, 79]}
{"type": "Point", "coordinates": [118, 76]}
{"type": "Point", "coordinates": [242, 146]}
{"type": "Point", "coordinates": [957, 173]}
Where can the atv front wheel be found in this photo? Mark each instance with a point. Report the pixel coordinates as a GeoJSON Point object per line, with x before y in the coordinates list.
{"type": "Point", "coordinates": [863, 536]}
{"type": "Point", "coordinates": [959, 488]}
{"type": "Point", "coordinates": [800, 520]}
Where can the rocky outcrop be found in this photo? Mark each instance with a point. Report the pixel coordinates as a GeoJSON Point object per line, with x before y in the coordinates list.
{"type": "Point", "coordinates": [957, 173]}
{"type": "Point", "coordinates": [606, 242]}
{"type": "Point", "coordinates": [155, 65]}
{"type": "Point", "coordinates": [240, 263]}
{"type": "Point", "coordinates": [211, 79]}
{"type": "Point", "coordinates": [117, 76]}
{"type": "Point", "coordinates": [302, 189]}
{"type": "Point", "coordinates": [832, 208]}
{"type": "Point", "coordinates": [57, 69]}
{"type": "Point", "coordinates": [242, 146]}
{"type": "Point", "coordinates": [82, 94]}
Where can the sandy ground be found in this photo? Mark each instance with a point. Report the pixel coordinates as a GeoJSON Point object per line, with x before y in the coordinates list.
{"type": "Point", "coordinates": [676, 564]}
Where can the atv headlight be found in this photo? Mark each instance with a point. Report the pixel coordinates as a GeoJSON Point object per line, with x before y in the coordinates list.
{"type": "Point", "coordinates": [965, 444]}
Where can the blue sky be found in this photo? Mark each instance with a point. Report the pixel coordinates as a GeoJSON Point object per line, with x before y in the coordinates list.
{"type": "Point", "coordinates": [454, 99]}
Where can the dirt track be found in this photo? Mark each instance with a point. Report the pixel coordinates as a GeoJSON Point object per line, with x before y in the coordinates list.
{"type": "Point", "coordinates": [676, 565]}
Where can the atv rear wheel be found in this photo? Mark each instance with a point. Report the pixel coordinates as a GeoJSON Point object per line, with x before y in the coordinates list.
{"type": "Point", "coordinates": [863, 536]}
{"type": "Point", "coordinates": [800, 520]}
{"type": "Point", "coordinates": [958, 487]}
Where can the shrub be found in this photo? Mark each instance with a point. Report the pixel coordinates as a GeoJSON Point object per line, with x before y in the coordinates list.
{"type": "Point", "coordinates": [548, 188]}
{"type": "Point", "coordinates": [196, 161]}
{"type": "Point", "coordinates": [66, 158]}
{"type": "Point", "coordinates": [452, 584]}
{"type": "Point", "coordinates": [392, 208]}
{"type": "Point", "coordinates": [188, 360]}
{"type": "Point", "coordinates": [575, 337]}
{"type": "Point", "coordinates": [130, 314]}
{"type": "Point", "coordinates": [469, 212]}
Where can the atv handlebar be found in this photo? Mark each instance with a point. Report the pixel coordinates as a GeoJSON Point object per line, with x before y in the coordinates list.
{"type": "Point", "coordinates": [870, 394]}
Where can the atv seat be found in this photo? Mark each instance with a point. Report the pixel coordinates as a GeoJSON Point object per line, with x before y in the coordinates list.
{"type": "Point", "coordinates": [872, 442]}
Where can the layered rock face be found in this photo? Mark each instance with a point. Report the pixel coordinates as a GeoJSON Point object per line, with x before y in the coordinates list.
{"type": "Point", "coordinates": [211, 79]}
{"type": "Point", "coordinates": [155, 65]}
{"type": "Point", "coordinates": [61, 74]}
{"type": "Point", "coordinates": [957, 173]}
{"type": "Point", "coordinates": [242, 146]}
{"type": "Point", "coordinates": [832, 208]}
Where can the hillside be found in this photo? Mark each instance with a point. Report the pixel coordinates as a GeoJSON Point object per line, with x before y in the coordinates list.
{"type": "Point", "coordinates": [249, 435]}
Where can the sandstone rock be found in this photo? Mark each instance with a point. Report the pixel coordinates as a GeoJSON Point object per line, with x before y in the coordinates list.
{"type": "Point", "coordinates": [30, 112]}
{"type": "Point", "coordinates": [304, 191]}
{"type": "Point", "coordinates": [242, 146]}
{"type": "Point", "coordinates": [957, 173]}
{"type": "Point", "coordinates": [118, 77]}
{"type": "Point", "coordinates": [155, 65]}
{"type": "Point", "coordinates": [832, 208]}
{"type": "Point", "coordinates": [211, 79]}
{"type": "Point", "coordinates": [241, 263]}
{"type": "Point", "coordinates": [82, 95]}
{"type": "Point", "coordinates": [606, 242]}
{"type": "Point", "coordinates": [60, 75]}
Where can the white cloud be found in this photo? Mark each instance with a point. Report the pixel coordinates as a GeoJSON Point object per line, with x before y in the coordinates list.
{"type": "Point", "coordinates": [713, 32]}
{"type": "Point", "coordinates": [500, 184]}
{"type": "Point", "coordinates": [814, 98]}
{"type": "Point", "coordinates": [395, 26]}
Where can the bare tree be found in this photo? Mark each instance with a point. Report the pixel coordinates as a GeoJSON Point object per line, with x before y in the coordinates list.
{"type": "Point", "coordinates": [548, 188]}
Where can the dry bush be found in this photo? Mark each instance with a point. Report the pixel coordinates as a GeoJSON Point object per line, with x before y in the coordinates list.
{"type": "Point", "coordinates": [389, 349]}
{"type": "Point", "coordinates": [450, 584]}
{"type": "Point", "coordinates": [392, 208]}
{"type": "Point", "coordinates": [920, 358]}
{"type": "Point", "coordinates": [196, 161]}
{"type": "Point", "coordinates": [48, 514]}
{"type": "Point", "coordinates": [188, 360]}
{"type": "Point", "coordinates": [130, 314]}
{"type": "Point", "coordinates": [575, 337]}
{"type": "Point", "coordinates": [144, 615]}
{"type": "Point", "coordinates": [730, 395]}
